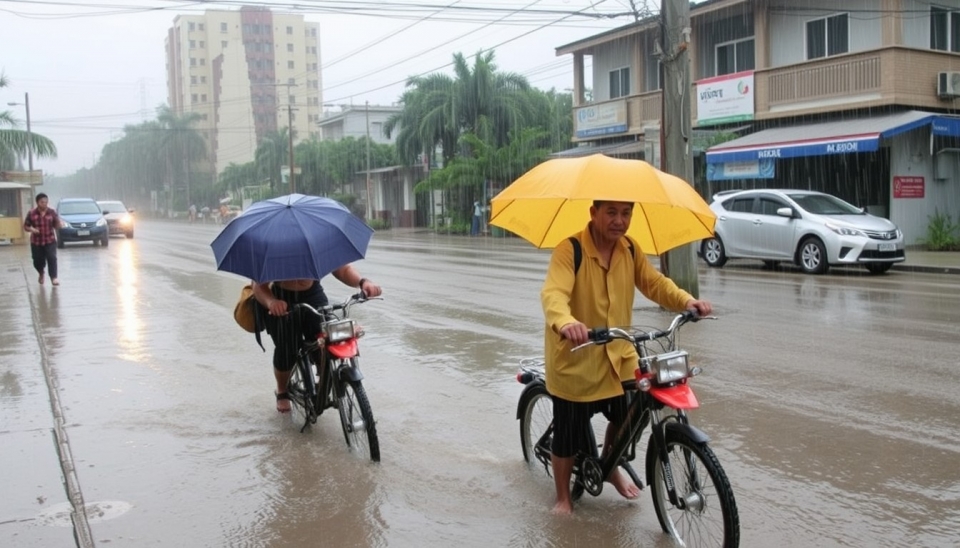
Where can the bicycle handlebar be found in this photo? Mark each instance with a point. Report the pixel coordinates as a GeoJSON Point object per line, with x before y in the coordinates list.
{"type": "Point", "coordinates": [323, 311]}
{"type": "Point", "coordinates": [603, 335]}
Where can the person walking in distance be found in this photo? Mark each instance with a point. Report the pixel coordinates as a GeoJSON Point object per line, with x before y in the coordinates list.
{"type": "Point", "coordinates": [597, 292]}
{"type": "Point", "coordinates": [42, 224]}
{"type": "Point", "coordinates": [477, 218]}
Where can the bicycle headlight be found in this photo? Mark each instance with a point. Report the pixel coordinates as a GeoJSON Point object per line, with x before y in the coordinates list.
{"type": "Point", "coordinates": [671, 367]}
{"type": "Point", "coordinates": [337, 331]}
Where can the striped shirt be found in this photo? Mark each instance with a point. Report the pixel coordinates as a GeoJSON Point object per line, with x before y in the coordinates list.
{"type": "Point", "coordinates": [47, 223]}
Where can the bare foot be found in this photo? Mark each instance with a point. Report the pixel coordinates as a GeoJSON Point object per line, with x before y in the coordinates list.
{"type": "Point", "coordinates": [624, 485]}
{"type": "Point", "coordinates": [283, 402]}
{"type": "Point", "coordinates": [41, 278]}
{"type": "Point", "coordinates": [562, 509]}
{"type": "Point", "coordinates": [55, 281]}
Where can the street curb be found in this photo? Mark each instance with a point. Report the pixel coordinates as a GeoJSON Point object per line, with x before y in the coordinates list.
{"type": "Point", "coordinates": [927, 269]}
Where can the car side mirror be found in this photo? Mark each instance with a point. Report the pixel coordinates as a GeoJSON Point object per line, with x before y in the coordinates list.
{"type": "Point", "coordinates": [785, 212]}
{"type": "Point", "coordinates": [105, 212]}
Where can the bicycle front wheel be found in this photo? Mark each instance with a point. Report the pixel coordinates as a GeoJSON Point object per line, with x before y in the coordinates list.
{"type": "Point", "coordinates": [302, 388]}
{"type": "Point", "coordinates": [535, 418]}
{"type": "Point", "coordinates": [356, 418]}
{"type": "Point", "coordinates": [709, 514]}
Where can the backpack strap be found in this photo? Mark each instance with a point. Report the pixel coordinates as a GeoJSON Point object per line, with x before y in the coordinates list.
{"type": "Point", "coordinates": [578, 252]}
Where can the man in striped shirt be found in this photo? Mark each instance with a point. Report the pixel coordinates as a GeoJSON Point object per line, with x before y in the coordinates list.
{"type": "Point", "coordinates": [42, 223]}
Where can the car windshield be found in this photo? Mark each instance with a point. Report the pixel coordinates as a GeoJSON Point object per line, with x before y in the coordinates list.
{"type": "Point", "coordinates": [113, 207]}
{"type": "Point", "coordinates": [824, 204]}
{"type": "Point", "coordinates": [78, 208]}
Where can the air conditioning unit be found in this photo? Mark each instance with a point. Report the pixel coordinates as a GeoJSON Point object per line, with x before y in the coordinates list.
{"type": "Point", "coordinates": [948, 85]}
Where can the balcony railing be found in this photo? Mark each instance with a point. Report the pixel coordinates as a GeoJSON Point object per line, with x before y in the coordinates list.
{"type": "Point", "coordinates": [891, 76]}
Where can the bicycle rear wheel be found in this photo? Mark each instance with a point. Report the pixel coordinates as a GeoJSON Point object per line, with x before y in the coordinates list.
{"type": "Point", "coordinates": [302, 389]}
{"type": "Point", "coordinates": [709, 516]}
{"type": "Point", "coordinates": [356, 418]}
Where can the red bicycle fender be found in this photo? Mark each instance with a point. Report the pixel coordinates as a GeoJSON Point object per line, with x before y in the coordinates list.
{"type": "Point", "coordinates": [680, 396]}
{"type": "Point", "coordinates": [344, 349]}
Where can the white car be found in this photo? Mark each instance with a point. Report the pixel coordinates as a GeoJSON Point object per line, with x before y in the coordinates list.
{"type": "Point", "coordinates": [810, 229]}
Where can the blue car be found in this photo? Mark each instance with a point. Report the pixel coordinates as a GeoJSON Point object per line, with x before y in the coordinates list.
{"type": "Point", "coordinates": [83, 221]}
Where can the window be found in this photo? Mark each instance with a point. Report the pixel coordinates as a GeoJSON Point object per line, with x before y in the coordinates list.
{"type": "Point", "coordinates": [223, 43]}
{"type": "Point", "coordinates": [193, 97]}
{"type": "Point", "coordinates": [223, 27]}
{"type": "Point", "coordinates": [289, 30]}
{"type": "Point", "coordinates": [193, 80]}
{"type": "Point", "coordinates": [735, 57]}
{"type": "Point", "coordinates": [827, 37]}
{"type": "Point", "coordinates": [289, 64]}
{"type": "Point", "coordinates": [203, 98]}
{"type": "Point", "coordinates": [291, 81]}
{"type": "Point", "coordinates": [191, 26]}
{"type": "Point", "coordinates": [203, 79]}
{"type": "Point", "coordinates": [203, 44]}
{"type": "Point", "coordinates": [944, 29]}
{"type": "Point", "coordinates": [193, 62]}
{"type": "Point", "coordinates": [193, 44]}
{"type": "Point", "coordinates": [741, 205]}
{"type": "Point", "coordinates": [203, 61]}
{"type": "Point", "coordinates": [313, 32]}
{"type": "Point", "coordinates": [290, 48]}
{"type": "Point", "coordinates": [769, 206]}
{"type": "Point", "coordinates": [293, 99]}
{"type": "Point", "coordinates": [200, 26]}
{"type": "Point", "coordinates": [619, 83]}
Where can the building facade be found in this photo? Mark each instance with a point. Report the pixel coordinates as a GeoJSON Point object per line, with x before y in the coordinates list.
{"type": "Point", "coordinates": [844, 96]}
{"type": "Point", "coordinates": [247, 73]}
{"type": "Point", "coordinates": [358, 122]}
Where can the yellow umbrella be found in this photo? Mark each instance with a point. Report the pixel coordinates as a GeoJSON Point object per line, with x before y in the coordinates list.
{"type": "Point", "coordinates": [551, 202]}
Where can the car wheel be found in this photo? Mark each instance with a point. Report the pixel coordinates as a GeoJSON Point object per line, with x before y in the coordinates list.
{"type": "Point", "coordinates": [879, 268]}
{"type": "Point", "coordinates": [713, 252]}
{"type": "Point", "coordinates": [812, 256]}
{"type": "Point", "coordinates": [105, 241]}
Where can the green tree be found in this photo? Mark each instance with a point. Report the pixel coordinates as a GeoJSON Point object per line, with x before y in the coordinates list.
{"type": "Point", "coordinates": [181, 145]}
{"type": "Point", "coordinates": [16, 143]}
{"type": "Point", "coordinates": [272, 154]}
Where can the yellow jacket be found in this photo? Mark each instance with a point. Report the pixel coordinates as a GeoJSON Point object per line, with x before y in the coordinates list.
{"type": "Point", "coordinates": [600, 297]}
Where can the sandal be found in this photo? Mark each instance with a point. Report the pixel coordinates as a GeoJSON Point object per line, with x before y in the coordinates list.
{"type": "Point", "coordinates": [282, 396]}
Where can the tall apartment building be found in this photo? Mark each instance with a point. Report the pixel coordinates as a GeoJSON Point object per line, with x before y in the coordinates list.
{"type": "Point", "coordinates": [246, 73]}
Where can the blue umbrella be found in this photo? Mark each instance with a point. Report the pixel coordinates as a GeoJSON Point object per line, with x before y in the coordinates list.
{"type": "Point", "coordinates": [291, 237]}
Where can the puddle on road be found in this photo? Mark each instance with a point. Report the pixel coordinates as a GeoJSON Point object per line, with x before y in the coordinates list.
{"type": "Point", "coordinates": [58, 515]}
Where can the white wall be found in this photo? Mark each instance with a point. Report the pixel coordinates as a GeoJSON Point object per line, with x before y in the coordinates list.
{"type": "Point", "coordinates": [788, 28]}
{"type": "Point", "coordinates": [608, 57]}
{"type": "Point", "coordinates": [916, 20]}
{"type": "Point", "coordinates": [910, 156]}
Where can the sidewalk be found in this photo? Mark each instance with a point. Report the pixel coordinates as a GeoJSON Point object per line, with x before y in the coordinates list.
{"type": "Point", "coordinates": [934, 262]}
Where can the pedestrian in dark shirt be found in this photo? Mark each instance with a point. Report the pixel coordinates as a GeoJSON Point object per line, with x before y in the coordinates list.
{"type": "Point", "coordinates": [42, 224]}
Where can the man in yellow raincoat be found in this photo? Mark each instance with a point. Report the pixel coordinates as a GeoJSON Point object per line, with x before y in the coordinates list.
{"type": "Point", "coordinates": [599, 294]}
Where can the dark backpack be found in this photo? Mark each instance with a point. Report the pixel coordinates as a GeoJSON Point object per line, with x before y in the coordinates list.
{"type": "Point", "coordinates": [578, 252]}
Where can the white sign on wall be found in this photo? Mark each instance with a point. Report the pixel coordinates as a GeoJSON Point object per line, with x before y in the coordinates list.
{"type": "Point", "coordinates": [725, 99]}
{"type": "Point", "coordinates": [602, 119]}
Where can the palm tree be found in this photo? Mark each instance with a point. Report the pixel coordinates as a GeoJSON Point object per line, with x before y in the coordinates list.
{"type": "Point", "coordinates": [16, 143]}
{"type": "Point", "coordinates": [427, 120]}
{"type": "Point", "coordinates": [272, 154]}
{"type": "Point", "coordinates": [180, 141]}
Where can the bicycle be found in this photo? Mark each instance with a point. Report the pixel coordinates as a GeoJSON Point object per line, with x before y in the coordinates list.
{"type": "Point", "coordinates": [337, 380]}
{"type": "Point", "coordinates": [691, 494]}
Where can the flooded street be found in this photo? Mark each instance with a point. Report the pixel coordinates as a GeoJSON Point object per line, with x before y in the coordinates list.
{"type": "Point", "coordinates": [831, 402]}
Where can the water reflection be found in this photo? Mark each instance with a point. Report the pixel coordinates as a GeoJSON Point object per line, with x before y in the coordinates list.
{"type": "Point", "coordinates": [129, 322]}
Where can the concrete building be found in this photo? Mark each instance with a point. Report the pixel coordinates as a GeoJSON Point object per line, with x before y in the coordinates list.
{"type": "Point", "coordinates": [247, 73]}
{"type": "Point", "coordinates": [358, 122]}
{"type": "Point", "coordinates": [856, 98]}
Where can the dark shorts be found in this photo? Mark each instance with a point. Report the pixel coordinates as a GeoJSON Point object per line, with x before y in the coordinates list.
{"type": "Point", "coordinates": [571, 423]}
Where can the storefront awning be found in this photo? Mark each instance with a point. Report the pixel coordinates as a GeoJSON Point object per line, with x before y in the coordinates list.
{"type": "Point", "coordinates": [629, 147]}
{"type": "Point", "coordinates": [835, 137]}
{"type": "Point", "coordinates": [948, 126]}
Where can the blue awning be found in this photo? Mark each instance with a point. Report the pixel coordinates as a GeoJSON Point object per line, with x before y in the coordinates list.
{"type": "Point", "coordinates": [835, 137]}
{"type": "Point", "coordinates": [948, 126]}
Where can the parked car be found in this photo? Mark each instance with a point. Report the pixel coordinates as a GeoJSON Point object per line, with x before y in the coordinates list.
{"type": "Point", "coordinates": [83, 221]}
{"type": "Point", "coordinates": [810, 229]}
{"type": "Point", "coordinates": [119, 218]}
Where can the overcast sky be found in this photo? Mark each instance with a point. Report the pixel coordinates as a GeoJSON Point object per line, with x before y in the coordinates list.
{"type": "Point", "coordinates": [91, 68]}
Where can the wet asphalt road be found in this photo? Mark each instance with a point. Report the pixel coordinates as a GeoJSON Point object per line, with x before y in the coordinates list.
{"type": "Point", "coordinates": [832, 402]}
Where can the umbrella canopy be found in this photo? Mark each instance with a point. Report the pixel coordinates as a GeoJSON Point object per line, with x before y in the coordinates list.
{"type": "Point", "coordinates": [552, 202]}
{"type": "Point", "coordinates": [291, 237]}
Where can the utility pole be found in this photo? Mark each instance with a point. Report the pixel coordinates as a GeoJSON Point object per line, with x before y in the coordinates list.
{"type": "Point", "coordinates": [366, 110]}
{"type": "Point", "coordinates": [680, 264]}
{"type": "Point", "coordinates": [293, 185]}
{"type": "Point", "coordinates": [26, 106]}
